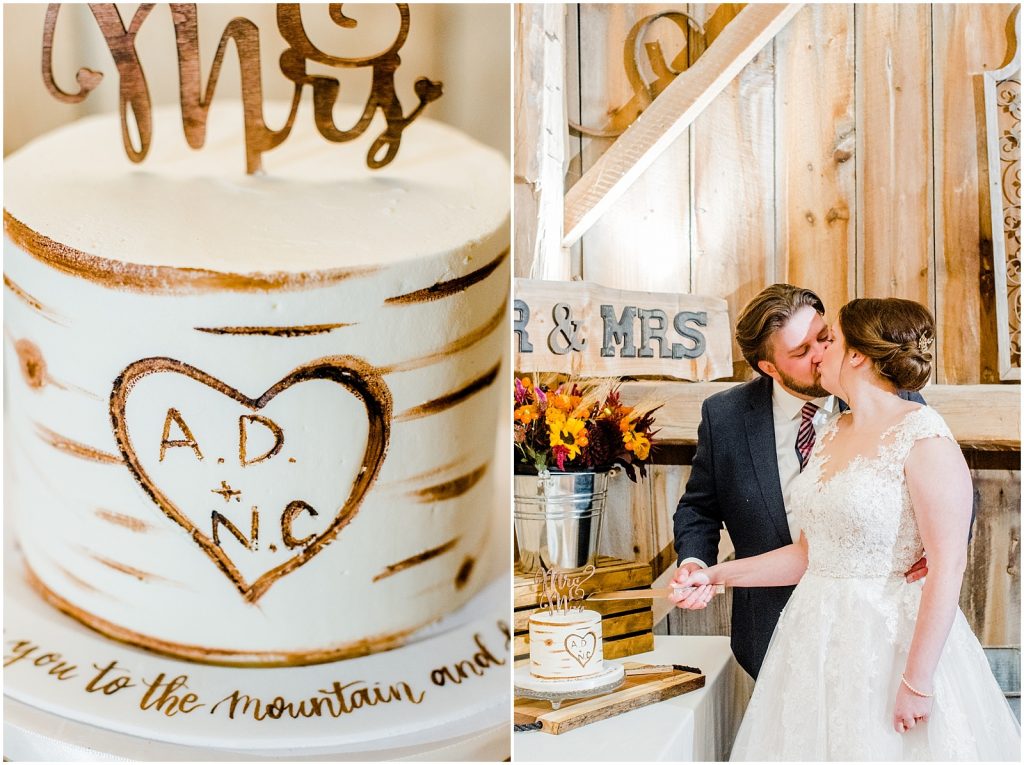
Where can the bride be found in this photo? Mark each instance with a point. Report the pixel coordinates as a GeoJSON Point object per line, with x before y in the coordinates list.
{"type": "Point", "coordinates": [863, 665]}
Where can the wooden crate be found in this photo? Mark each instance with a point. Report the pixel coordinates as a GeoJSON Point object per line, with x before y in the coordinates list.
{"type": "Point", "coordinates": [627, 625]}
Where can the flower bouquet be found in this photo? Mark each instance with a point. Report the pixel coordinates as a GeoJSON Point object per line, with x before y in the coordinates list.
{"type": "Point", "coordinates": [572, 427]}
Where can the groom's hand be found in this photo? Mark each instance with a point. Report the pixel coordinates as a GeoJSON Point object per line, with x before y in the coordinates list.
{"type": "Point", "coordinates": [918, 571]}
{"type": "Point", "coordinates": [693, 590]}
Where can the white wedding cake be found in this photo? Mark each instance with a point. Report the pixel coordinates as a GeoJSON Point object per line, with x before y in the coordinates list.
{"type": "Point", "coordinates": [252, 418]}
{"type": "Point", "coordinates": [566, 645]}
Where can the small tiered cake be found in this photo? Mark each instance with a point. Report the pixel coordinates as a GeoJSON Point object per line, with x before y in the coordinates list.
{"type": "Point", "coordinates": [251, 418]}
{"type": "Point", "coordinates": [566, 645]}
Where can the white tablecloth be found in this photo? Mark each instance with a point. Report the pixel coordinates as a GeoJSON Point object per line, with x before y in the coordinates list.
{"type": "Point", "coordinates": [694, 727]}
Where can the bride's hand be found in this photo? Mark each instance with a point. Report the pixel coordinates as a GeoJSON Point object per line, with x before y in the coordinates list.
{"type": "Point", "coordinates": [910, 710]}
{"type": "Point", "coordinates": [693, 588]}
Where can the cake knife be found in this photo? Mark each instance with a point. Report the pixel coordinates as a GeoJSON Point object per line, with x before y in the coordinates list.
{"type": "Point", "coordinates": [657, 592]}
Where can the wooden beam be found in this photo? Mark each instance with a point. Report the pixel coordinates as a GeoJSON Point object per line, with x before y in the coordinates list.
{"type": "Point", "coordinates": [671, 113]}
{"type": "Point", "coordinates": [984, 417]}
{"type": "Point", "coordinates": [540, 134]}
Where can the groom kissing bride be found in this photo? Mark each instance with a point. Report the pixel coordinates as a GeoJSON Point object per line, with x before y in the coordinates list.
{"type": "Point", "coordinates": [832, 478]}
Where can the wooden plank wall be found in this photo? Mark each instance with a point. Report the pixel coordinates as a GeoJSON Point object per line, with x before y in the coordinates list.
{"type": "Point", "coordinates": [733, 254]}
{"type": "Point", "coordinates": [847, 157]}
{"type": "Point", "coordinates": [649, 226]}
{"type": "Point", "coordinates": [966, 41]}
{"type": "Point", "coordinates": [815, 142]}
{"type": "Point", "coordinates": [895, 196]}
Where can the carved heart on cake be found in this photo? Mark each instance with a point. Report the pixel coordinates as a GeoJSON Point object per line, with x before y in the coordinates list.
{"type": "Point", "coordinates": [178, 438]}
{"type": "Point", "coordinates": [581, 647]}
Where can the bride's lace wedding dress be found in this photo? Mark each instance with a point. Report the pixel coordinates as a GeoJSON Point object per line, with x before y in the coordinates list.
{"type": "Point", "coordinates": [828, 685]}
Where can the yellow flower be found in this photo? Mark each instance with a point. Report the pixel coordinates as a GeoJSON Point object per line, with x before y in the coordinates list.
{"type": "Point", "coordinates": [571, 434]}
{"type": "Point", "coordinates": [554, 416]}
{"type": "Point", "coordinates": [637, 443]}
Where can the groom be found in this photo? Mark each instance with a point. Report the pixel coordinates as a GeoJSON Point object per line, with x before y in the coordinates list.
{"type": "Point", "coordinates": [753, 440]}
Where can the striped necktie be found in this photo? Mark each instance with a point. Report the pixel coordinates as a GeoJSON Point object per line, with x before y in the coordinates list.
{"type": "Point", "coordinates": [805, 436]}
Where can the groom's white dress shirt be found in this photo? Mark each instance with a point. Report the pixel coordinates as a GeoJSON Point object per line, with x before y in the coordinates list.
{"type": "Point", "coordinates": [786, 414]}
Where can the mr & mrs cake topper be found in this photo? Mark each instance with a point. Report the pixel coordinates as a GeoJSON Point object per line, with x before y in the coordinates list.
{"type": "Point", "coordinates": [195, 101]}
{"type": "Point", "coordinates": [562, 592]}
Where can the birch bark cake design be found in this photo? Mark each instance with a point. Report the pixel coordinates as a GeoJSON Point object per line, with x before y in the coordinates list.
{"type": "Point", "coordinates": [565, 638]}
{"type": "Point", "coordinates": [252, 417]}
{"type": "Point", "coordinates": [566, 645]}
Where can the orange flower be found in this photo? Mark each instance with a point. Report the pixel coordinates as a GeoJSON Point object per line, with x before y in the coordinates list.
{"type": "Point", "coordinates": [626, 423]}
{"type": "Point", "coordinates": [527, 413]}
{"type": "Point", "coordinates": [561, 401]}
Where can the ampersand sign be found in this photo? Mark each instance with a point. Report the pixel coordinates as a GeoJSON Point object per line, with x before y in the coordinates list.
{"type": "Point", "coordinates": [562, 338]}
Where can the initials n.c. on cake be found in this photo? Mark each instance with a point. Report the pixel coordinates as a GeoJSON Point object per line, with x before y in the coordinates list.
{"type": "Point", "coordinates": [251, 418]}
{"type": "Point", "coordinates": [565, 645]}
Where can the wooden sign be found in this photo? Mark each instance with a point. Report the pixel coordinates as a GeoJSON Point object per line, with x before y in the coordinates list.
{"type": "Point", "coordinates": [587, 330]}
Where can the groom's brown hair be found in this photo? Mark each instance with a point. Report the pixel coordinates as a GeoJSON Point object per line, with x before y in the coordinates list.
{"type": "Point", "coordinates": [767, 313]}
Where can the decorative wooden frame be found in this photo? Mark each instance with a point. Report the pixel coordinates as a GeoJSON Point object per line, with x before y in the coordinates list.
{"type": "Point", "coordinates": [1002, 138]}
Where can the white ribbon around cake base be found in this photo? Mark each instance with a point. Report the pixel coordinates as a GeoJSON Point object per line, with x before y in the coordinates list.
{"type": "Point", "coordinates": [531, 687]}
{"type": "Point", "coordinates": [436, 705]}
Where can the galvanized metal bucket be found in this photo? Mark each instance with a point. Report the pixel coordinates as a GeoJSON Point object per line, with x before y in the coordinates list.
{"type": "Point", "coordinates": [558, 519]}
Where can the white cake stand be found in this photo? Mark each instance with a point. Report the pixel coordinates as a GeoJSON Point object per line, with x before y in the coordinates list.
{"type": "Point", "coordinates": [557, 691]}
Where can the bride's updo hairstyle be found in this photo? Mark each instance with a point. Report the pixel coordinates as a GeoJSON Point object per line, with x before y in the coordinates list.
{"type": "Point", "coordinates": [897, 335]}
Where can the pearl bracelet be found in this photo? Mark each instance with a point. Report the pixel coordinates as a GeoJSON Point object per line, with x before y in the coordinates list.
{"type": "Point", "coordinates": [914, 690]}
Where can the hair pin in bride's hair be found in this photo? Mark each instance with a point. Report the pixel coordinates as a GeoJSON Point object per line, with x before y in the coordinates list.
{"type": "Point", "coordinates": [924, 343]}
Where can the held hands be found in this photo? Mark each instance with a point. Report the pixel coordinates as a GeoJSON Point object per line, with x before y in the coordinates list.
{"type": "Point", "coordinates": [918, 571]}
{"type": "Point", "coordinates": [910, 709]}
{"type": "Point", "coordinates": [693, 587]}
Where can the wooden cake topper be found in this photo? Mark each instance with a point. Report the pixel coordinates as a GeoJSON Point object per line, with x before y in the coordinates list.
{"type": "Point", "coordinates": [195, 102]}
{"type": "Point", "coordinates": [561, 591]}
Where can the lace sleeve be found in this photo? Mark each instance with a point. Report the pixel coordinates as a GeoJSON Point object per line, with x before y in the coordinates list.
{"type": "Point", "coordinates": [922, 423]}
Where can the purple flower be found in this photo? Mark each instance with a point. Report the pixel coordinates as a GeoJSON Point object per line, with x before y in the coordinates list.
{"type": "Point", "coordinates": [521, 392]}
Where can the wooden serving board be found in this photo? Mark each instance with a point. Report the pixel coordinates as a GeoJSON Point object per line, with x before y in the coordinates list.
{"type": "Point", "coordinates": [635, 692]}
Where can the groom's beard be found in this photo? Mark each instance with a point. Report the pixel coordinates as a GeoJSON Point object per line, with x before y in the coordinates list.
{"type": "Point", "coordinates": [814, 389]}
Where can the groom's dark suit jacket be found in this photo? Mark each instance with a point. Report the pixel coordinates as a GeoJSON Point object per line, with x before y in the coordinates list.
{"type": "Point", "coordinates": [735, 482]}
